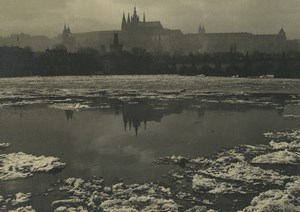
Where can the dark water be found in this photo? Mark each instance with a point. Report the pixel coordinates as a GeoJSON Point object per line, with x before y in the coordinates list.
{"type": "Point", "coordinates": [123, 140]}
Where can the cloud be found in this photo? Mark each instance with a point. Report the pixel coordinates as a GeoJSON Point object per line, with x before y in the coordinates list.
{"type": "Point", "coordinates": [48, 16]}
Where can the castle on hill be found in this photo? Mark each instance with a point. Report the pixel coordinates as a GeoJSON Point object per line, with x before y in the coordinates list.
{"type": "Point", "coordinates": [152, 36]}
{"type": "Point", "coordinates": [136, 31]}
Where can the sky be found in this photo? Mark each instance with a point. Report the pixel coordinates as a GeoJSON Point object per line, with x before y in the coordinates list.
{"type": "Point", "coordinates": [47, 17]}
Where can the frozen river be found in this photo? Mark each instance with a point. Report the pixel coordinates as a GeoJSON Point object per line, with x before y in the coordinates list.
{"type": "Point", "coordinates": [115, 127]}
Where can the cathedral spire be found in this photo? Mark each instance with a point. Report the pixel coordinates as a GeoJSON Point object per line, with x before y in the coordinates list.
{"type": "Point", "coordinates": [135, 18]}
{"type": "Point", "coordinates": [124, 22]}
{"type": "Point", "coordinates": [134, 12]}
{"type": "Point", "coordinates": [128, 19]}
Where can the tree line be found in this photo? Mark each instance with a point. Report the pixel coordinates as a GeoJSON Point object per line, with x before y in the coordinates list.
{"type": "Point", "coordinates": [15, 61]}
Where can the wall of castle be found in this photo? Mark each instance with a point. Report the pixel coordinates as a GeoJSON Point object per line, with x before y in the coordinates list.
{"type": "Point", "coordinates": [244, 42]}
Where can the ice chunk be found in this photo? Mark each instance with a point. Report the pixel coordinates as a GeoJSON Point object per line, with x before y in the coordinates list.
{"type": "Point", "coordinates": [23, 209]}
{"type": "Point", "coordinates": [4, 145]}
{"type": "Point", "coordinates": [173, 160]}
{"type": "Point", "coordinates": [281, 157]}
{"type": "Point", "coordinates": [274, 200]}
{"type": "Point", "coordinates": [294, 145]}
{"type": "Point", "coordinates": [211, 185]}
{"type": "Point", "coordinates": [290, 116]}
{"type": "Point", "coordinates": [201, 183]}
{"type": "Point", "coordinates": [135, 197]}
{"type": "Point", "coordinates": [21, 165]}
{"type": "Point", "coordinates": [21, 198]}
{"type": "Point", "coordinates": [70, 106]}
{"type": "Point", "coordinates": [287, 135]}
{"type": "Point", "coordinates": [243, 171]}
{"type": "Point", "coordinates": [278, 200]}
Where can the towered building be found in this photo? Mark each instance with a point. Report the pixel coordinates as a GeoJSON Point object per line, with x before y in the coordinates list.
{"type": "Point", "coordinates": [152, 36]}
{"type": "Point", "coordinates": [240, 41]}
{"type": "Point", "coordinates": [134, 32]}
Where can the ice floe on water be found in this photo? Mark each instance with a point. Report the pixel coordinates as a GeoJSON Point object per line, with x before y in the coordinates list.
{"type": "Point", "coordinates": [21, 198]}
{"type": "Point", "coordinates": [294, 145]}
{"type": "Point", "coordinates": [280, 157]}
{"type": "Point", "coordinates": [277, 200]}
{"type": "Point", "coordinates": [244, 172]}
{"type": "Point", "coordinates": [290, 116]}
{"type": "Point", "coordinates": [21, 165]}
{"type": "Point", "coordinates": [210, 185]}
{"type": "Point", "coordinates": [241, 171]}
{"type": "Point", "coordinates": [92, 195]}
{"type": "Point", "coordinates": [4, 146]}
{"type": "Point", "coordinates": [70, 106]}
{"type": "Point", "coordinates": [23, 209]}
{"type": "Point", "coordinates": [284, 136]}
{"type": "Point", "coordinates": [16, 203]}
{"type": "Point", "coordinates": [222, 181]}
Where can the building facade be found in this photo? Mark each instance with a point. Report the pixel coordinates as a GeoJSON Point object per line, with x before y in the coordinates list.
{"type": "Point", "coordinates": [134, 32]}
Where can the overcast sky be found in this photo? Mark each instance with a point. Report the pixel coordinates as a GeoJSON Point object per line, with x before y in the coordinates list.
{"type": "Point", "coordinates": [47, 17]}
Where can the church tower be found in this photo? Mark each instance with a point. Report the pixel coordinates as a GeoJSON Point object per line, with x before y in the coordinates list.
{"type": "Point", "coordinates": [282, 33]}
{"type": "Point", "coordinates": [135, 19]}
{"type": "Point", "coordinates": [116, 46]}
{"type": "Point", "coordinates": [201, 29]}
{"type": "Point", "coordinates": [128, 19]}
{"type": "Point", "coordinates": [124, 24]}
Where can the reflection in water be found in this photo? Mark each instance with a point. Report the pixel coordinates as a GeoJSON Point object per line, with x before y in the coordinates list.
{"type": "Point", "coordinates": [136, 114]}
{"type": "Point", "coordinates": [69, 114]}
{"type": "Point", "coordinates": [100, 147]}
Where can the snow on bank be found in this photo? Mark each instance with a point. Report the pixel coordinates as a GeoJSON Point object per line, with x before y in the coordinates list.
{"type": "Point", "coordinates": [21, 165]}
{"type": "Point", "coordinates": [280, 157]}
{"type": "Point", "coordinates": [277, 200]}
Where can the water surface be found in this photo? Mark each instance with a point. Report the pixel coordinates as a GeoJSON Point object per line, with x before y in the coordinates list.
{"type": "Point", "coordinates": [122, 132]}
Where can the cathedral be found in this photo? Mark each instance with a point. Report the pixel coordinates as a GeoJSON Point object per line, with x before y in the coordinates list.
{"type": "Point", "coordinates": [152, 36]}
